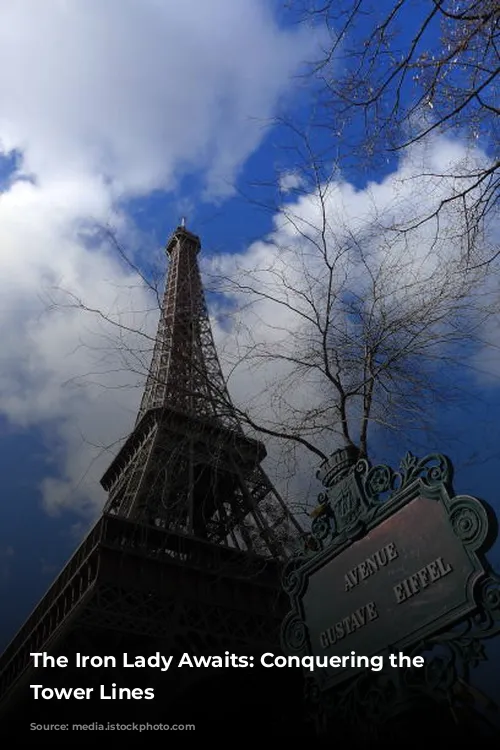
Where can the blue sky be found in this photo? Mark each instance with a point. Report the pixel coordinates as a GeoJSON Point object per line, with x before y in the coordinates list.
{"type": "Point", "coordinates": [167, 116]}
{"type": "Point", "coordinates": [169, 141]}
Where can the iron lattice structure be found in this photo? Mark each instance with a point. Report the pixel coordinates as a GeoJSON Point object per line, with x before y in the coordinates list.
{"type": "Point", "coordinates": [188, 465]}
{"type": "Point", "coordinates": [187, 554]}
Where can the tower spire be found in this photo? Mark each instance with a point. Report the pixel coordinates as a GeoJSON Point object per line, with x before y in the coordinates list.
{"type": "Point", "coordinates": [188, 465]}
{"type": "Point", "coordinates": [166, 566]}
{"type": "Point", "coordinates": [185, 373]}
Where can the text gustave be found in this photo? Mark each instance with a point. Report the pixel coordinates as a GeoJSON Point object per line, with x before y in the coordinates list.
{"type": "Point", "coordinates": [403, 590]}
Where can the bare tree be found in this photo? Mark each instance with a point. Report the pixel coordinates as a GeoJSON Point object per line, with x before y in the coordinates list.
{"type": "Point", "coordinates": [352, 330]}
{"type": "Point", "coordinates": [335, 330]}
{"type": "Point", "coordinates": [394, 74]}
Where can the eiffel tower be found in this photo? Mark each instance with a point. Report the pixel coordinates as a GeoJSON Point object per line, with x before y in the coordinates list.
{"type": "Point", "coordinates": [185, 558]}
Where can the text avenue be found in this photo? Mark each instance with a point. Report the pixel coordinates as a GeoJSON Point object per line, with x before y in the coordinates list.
{"type": "Point", "coordinates": [403, 591]}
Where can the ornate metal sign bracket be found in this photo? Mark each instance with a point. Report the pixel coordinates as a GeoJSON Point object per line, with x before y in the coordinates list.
{"type": "Point", "coordinates": [395, 563]}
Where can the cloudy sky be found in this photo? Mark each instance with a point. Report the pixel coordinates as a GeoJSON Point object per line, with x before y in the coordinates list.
{"type": "Point", "coordinates": [133, 113]}
{"type": "Point", "coordinates": [123, 113]}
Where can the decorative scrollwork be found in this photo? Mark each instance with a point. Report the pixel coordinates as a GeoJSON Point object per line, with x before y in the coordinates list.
{"type": "Point", "coordinates": [355, 493]}
{"type": "Point", "coordinates": [370, 699]}
{"type": "Point", "coordinates": [308, 546]}
{"type": "Point", "coordinates": [377, 698]}
{"type": "Point", "coordinates": [408, 465]}
{"type": "Point", "coordinates": [434, 468]}
{"type": "Point", "coordinates": [378, 481]}
{"type": "Point", "coordinates": [362, 468]}
{"type": "Point", "coordinates": [472, 652]}
{"type": "Point", "coordinates": [321, 527]}
{"type": "Point", "coordinates": [489, 596]}
{"type": "Point", "coordinates": [469, 521]}
{"type": "Point", "coordinates": [293, 576]}
{"type": "Point", "coordinates": [440, 674]}
{"type": "Point", "coordinates": [294, 633]}
{"type": "Point", "coordinates": [465, 642]}
{"type": "Point", "coordinates": [352, 505]}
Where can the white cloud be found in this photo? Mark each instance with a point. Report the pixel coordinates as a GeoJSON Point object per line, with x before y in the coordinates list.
{"type": "Point", "coordinates": [290, 181]}
{"type": "Point", "coordinates": [141, 90]}
{"type": "Point", "coordinates": [104, 101]}
{"type": "Point", "coordinates": [46, 352]}
{"type": "Point", "coordinates": [108, 99]}
{"type": "Point", "coordinates": [417, 275]}
{"type": "Point", "coordinates": [40, 366]}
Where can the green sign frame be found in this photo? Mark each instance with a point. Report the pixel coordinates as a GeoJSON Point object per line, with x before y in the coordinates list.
{"type": "Point", "coordinates": [395, 564]}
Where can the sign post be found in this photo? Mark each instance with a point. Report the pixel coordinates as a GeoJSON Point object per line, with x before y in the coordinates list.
{"type": "Point", "coordinates": [391, 595]}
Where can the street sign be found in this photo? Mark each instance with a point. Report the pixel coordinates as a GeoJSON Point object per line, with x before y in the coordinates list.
{"type": "Point", "coordinates": [409, 574]}
{"type": "Point", "coordinates": [395, 563]}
